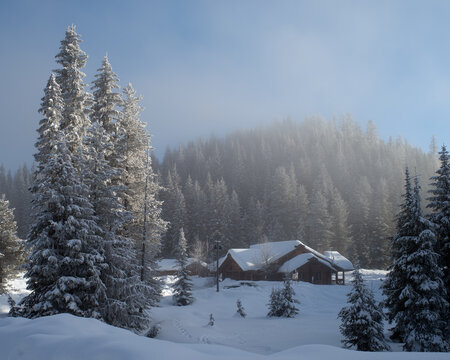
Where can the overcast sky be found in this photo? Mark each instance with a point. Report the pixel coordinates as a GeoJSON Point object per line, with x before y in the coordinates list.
{"type": "Point", "coordinates": [215, 66]}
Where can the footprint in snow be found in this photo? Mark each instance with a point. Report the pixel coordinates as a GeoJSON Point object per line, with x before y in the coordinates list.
{"type": "Point", "coordinates": [182, 330]}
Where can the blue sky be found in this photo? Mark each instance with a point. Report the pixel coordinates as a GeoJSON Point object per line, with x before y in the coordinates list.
{"type": "Point", "coordinates": [215, 66]}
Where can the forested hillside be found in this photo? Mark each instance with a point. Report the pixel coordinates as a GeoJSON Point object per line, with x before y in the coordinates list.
{"type": "Point", "coordinates": [330, 184]}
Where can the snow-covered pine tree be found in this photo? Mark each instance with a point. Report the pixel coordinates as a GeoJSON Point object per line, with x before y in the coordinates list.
{"type": "Point", "coordinates": [275, 303]}
{"type": "Point", "coordinates": [140, 195]}
{"type": "Point", "coordinates": [64, 266]}
{"type": "Point", "coordinates": [414, 287]}
{"type": "Point", "coordinates": [174, 209]}
{"type": "Point", "coordinates": [240, 309]}
{"type": "Point", "coordinates": [153, 229]}
{"type": "Point", "coordinates": [424, 295]}
{"type": "Point", "coordinates": [75, 115]}
{"type": "Point", "coordinates": [440, 206]}
{"type": "Point", "coordinates": [121, 275]}
{"type": "Point", "coordinates": [183, 287]}
{"type": "Point", "coordinates": [106, 100]}
{"type": "Point", "coordinates": [133, 144]}
{"type": "Point", "coordinates": [282, 302]}
{"type": "Point", "coordinates": [396, 279]}
{"type": "Point", "coordinates": [101, 143]}
{"type": "Point", "coordinates": [362, 320]}
{"type": "Point", "coordinates": [288, 293]}
{"type": "Point", "coordinates": [11, 249]}
{"type": "Point", "coordinates": [51, 108]}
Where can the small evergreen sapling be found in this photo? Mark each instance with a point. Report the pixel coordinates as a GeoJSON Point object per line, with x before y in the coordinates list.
{"type": "Point", "coordinates": [13, 311]}
{"type": "Point", "coordinates": [282, 302]}
{"type": "Point", "coordinates": [211, 320]}
{"type": "Point", "coordinates": [183, 287]}
{"type": "Point", "coordinates": [275, 303]}
{"type": "Point", "coordinates": [240, 309]}
{"type": "Point", "coordinates": [362, 320]}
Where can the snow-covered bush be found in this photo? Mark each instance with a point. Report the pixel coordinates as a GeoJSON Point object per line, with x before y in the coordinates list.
{"type": "Point", "coordinates": [240, 309]}
{"type": "Point", "coordinates": [183, 287]}
{"type": "Point", "coordinates": [282, 302]}
{"type": "Point", "coordinates": [362, 319]}
{"type": "Point", "coordinates": [211, 320]}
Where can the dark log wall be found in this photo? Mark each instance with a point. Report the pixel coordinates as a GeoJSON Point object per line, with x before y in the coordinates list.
{"type": "Point", "coordinates": [315, 272]}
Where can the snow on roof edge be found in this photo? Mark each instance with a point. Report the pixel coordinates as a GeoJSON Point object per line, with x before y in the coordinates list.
{"type": "Point", "coordinates": [339, 260]}
{"type": "Point", "coordinates": [300, 260]}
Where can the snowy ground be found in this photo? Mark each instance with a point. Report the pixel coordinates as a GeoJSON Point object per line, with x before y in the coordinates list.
{"type": "Point", "coordinates": [313, 334]}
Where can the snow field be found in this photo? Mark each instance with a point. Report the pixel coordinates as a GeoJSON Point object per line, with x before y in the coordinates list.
{"type": "Point", "coordinates": [313, 334]}
{"type": "Point", "coordinates": [317, 322]}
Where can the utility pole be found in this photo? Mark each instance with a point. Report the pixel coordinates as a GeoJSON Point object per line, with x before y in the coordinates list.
{"type": "Point", "coordinates": [217, 247]}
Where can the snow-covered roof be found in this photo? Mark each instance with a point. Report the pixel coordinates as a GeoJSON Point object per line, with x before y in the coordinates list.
{"type": "Point", "coordinates": [272, 251]}
{"type": "Point", "coordinates": [258, 255]}
{"type": "Point", "coordinates": [301, 260]}
{"type": "Point", "coordinates": [172, 264]}
{"type": "Point", "coordinates": [339, 260]}
{"type": "Point", "coordinates": [247, 259]}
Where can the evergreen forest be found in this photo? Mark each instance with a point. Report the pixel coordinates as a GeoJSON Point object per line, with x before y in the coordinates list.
{"type": "Point", "coordinates": [331, 184]}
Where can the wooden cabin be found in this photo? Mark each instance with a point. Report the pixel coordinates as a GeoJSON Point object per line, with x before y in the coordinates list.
{"type": "Point", "coordinates": [274, 261]}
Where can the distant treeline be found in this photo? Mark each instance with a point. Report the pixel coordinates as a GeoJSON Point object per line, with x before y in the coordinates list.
{"type": "Point", "coordinates": [16, 189]}
{"type": "Point", "coordinates": [330, 184]}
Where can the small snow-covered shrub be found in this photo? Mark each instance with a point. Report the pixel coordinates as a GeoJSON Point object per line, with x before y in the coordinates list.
{"type": "Point", "coordinates": [240, 309]}
{"type": "Point", "coordinates": [282, 302]}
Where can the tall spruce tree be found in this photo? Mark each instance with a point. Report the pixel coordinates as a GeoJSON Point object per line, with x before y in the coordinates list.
{"type": "Point", "coordinates": [414, 287]}
{"type": "Point", "coordinates": [440, 206]}
{"type": "Point", "coordinates": [424, 297]}
{"type": "Point", "coordinates": [126, 295]}
{"type": "Point", "coordinates": [106, 99]}
{"type": "Point", "coordinates": [52, 106]}
{"type": "Point", "coordinates": [75, 115]}
{"type": "Point", "coordinates": [362, 319]}
{"type": "Point", "coordinates": [141, 189]}
{"type": "Point", "coordinates": [64, 266]}
{"type": "Point", "coordinates": [183, 287]}
{"type": "Point", "coordinates": [396, 278]}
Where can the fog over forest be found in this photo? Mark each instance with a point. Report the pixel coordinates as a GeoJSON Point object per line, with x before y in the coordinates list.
{"type": "Point", "coordinates": [331, 184]}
